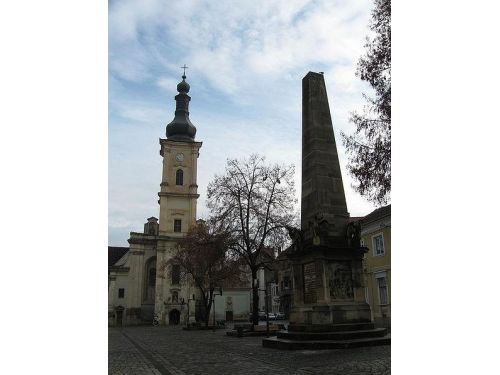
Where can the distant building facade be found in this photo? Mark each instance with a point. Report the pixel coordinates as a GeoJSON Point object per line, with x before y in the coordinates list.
{"type": "Point", "coordinates": [266, 279]}
{"type": "Point", "coordinates": [376, 236]}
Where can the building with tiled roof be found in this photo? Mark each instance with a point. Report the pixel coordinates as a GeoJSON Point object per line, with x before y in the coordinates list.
{"type": "Point", "coordinates": [115, 253]}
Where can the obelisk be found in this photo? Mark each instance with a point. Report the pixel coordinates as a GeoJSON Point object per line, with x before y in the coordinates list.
{"type": "Point", "coordinates": [323, 197]}
{"type": "Point", "coordinates": [327, 261]}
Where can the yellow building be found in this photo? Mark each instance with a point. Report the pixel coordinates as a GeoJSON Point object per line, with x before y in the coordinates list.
{"type": "Point", "coordinates": [376, 236]}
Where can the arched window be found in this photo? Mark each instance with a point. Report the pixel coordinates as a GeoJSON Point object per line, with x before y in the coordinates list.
{"type": "Point", "coordinates": [179, 177]}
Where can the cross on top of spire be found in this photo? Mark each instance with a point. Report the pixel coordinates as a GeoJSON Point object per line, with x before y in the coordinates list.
{"type": "Point", "coordinates": [184, 74]}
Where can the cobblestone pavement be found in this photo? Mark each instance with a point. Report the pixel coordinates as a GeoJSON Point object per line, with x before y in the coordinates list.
{"type": "Point", "coordinates": [170, 350]}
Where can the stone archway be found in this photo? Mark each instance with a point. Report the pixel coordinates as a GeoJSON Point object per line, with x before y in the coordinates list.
{"type": "Point", "coordinates": [174, 317]}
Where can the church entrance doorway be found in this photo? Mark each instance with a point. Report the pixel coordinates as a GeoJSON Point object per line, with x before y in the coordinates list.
{"type": "Point", "coordinates": [119, 318]}
{"type": "Point", "coordinates": [174, 317]}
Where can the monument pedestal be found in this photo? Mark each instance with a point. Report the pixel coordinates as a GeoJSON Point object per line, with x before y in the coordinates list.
{"type": "Point", "coordinates": [329, 309]}
{"type": "Point", "coordinates": [328, 286]}
{"type": "Point", "coordinates": [324, 315]}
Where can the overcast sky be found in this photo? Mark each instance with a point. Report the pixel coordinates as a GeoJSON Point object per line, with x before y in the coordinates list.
{"type": "Point", "coordinates": [246, 61]}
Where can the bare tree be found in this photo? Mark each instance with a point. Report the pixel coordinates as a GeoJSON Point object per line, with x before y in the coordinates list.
{"type": "Point", "coordinates": [255, 202]}
{"type": "Point", "coordinates": [203, 257]}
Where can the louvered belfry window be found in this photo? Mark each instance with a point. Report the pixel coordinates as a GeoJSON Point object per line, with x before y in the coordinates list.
{"type": "Point", "coordinates": [179, 177]}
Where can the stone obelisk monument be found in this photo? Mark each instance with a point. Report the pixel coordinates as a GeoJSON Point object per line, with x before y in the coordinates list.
{"type": "Point", "coordinates": [322, 189]}
{"type": "Point", "coordinates": [326, 255]}
{"type": "Point", "coordinates": [327, 267]}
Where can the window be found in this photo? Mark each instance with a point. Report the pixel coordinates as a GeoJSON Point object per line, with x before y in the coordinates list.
{"type": "Point", "coordinates": [286, 280]}
{"type": "Point", "coordinates": [179, 177]}
{"type": "Point", "coordinates": [378, 245]}
{"type": "Point", "coordinates": [382, 290]}
{"type": "Point", "coordinates": [121, 293]}
{"type": "Point", "coordinates": [176, 274]}
{"type": "Point", "coordinates": [177, 225]}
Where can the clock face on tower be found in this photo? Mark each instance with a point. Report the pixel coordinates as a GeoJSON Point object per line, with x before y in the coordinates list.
{"type": "Point", "coordinates": [179, 157]}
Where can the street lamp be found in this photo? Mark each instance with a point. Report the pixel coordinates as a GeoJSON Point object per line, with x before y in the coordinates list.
{"type": "Point", "coordinates": [213, 299]}
{"type": "Point", "coordinates": [266, 298]}
{"type": "Point", "coordinates": [187, 320]}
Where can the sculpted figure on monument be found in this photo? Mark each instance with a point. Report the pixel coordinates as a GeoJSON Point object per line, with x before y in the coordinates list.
{"type": "Point", "coordinates": [353, 234]}
{"type": "Point", "coordinates": [297, 237]}
{"type": "Point", "coordinates": [318, 228]}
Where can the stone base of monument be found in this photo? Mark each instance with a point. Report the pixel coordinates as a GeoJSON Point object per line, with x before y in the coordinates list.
{"type": "Point", "coordinates": [336, 336]}
{"type": "Point", "coordinates": [247, 330]}
{"type": "Point", "coordinates": [329, 326]}
{"type": "Point", "coordinates": [329, 313]}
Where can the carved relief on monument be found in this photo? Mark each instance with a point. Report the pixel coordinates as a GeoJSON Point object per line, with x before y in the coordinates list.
{"type": "Point", "coordinates": [318, 227]}
{"type": "Point", "coordinates": [340, 280]}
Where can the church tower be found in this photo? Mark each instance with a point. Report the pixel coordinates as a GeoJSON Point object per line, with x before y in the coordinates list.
{"type": "Point", "coordinates": [178, 198]}
{"type": "Point", "coordinates": [179, 189]}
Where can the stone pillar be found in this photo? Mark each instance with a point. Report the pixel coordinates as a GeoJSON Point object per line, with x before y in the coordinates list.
{"type": "Point", "coordinates": [135, 277]}
{"type": "Point", "coordinates": [193, 189]}
{"type": "Point", "coordinates": [160, 279]}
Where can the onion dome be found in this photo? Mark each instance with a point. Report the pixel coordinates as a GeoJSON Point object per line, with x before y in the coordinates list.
{"type": "Point", "coordinates": [181, 128]}
{"type": "Point", "coordinates": [183, 86]}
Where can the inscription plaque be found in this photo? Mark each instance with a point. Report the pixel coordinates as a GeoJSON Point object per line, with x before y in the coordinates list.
{"type": "Point", "coordinates": [309, 272]}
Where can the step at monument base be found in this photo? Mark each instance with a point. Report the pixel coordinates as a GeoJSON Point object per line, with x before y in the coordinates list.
{"type": "Point", "coordinates": [337, 336]}
{"type": "Point", "coordinates": [294, 327]}
{"type": "Point", "coordinates": [277, 343]}
{"type": "Point", "coordinates": [340, 335]}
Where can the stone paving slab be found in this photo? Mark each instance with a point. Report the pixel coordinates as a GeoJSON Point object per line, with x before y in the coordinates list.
{"type": "Point", "coordinates": [170, 350]}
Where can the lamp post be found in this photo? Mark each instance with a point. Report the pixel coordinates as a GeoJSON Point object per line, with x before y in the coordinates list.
{"type": "Point", "coordinates": [267, 310]}
{"type": "Point", "coordinates": [187, 320]}
{"type": "Point", "coordinates": [213, 299]}
{"type": "Point", "coordinates": [266, 299]}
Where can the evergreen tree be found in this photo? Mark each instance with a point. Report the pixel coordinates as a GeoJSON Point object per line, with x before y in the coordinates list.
{"type": "Point", "coordinates": [369, 148]}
